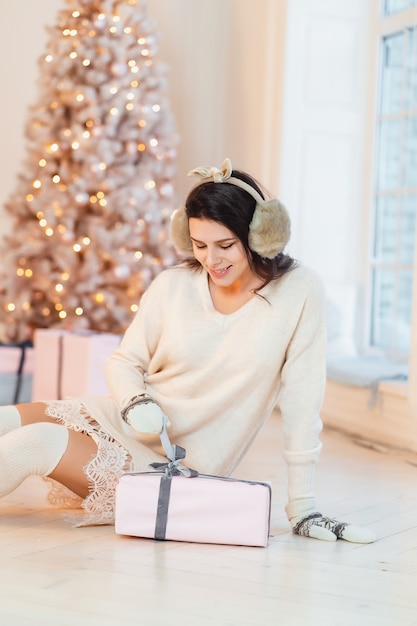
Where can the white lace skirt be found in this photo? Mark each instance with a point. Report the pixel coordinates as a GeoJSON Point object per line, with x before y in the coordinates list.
{"type": "Point", "coordinates": [103, 471]}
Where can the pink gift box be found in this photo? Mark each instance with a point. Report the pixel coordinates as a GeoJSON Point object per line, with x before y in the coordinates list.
{"type": "Point", "coordinates": [70, 364]}
{"type": "Point", "coordinates": [16, 367]}
{"type": "Point", "coordinates": [202, 509]}
{"type": "Point", "coordinates": [10, 357]}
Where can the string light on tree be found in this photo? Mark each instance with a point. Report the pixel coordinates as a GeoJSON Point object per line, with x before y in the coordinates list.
{"type": "Point", "coordinates": [92, 205]}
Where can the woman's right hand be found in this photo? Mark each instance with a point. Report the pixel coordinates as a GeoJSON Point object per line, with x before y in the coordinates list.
{"type": "Point", "coordinates": [146, 418]}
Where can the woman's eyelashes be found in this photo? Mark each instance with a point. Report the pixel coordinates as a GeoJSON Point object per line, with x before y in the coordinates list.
{"type": "Point", "coordinates": [200, 246]}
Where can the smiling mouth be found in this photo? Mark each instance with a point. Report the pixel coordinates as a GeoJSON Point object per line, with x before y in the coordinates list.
{"type": "Point", "coordinates": [220, 272]}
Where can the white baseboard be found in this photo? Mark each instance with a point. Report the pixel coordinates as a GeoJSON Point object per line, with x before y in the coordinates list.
{"type": "Point", "coordinates": [388, 419]}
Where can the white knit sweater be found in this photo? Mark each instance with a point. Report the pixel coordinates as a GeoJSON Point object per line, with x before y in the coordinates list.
{"type": "Point", "coordinates": [218, 377]}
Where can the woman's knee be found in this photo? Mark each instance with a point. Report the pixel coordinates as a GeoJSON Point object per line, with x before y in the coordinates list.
{"type": "Point", "coordinates": [70, 471]}
{"type": "Point", "coordinates": [33, 412]}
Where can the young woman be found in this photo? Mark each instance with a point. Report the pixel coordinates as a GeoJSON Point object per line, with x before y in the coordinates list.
{"type": "Point", "coordinates": [217, 343]}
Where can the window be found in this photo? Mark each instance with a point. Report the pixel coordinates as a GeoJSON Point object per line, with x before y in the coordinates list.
{"type": "Point", "coordinates": [395, 6]}
{"type": "Point", "coordinates": [395, 188]}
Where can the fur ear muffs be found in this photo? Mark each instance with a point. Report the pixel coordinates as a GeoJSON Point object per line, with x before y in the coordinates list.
{"type": "Point", "coordinates": [270, 229]}
{"type": "Point", "coordinates": [180, 233]}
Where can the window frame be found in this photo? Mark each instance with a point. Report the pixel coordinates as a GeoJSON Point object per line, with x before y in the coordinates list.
{"type": "Point", "coordinates": [384, 26]}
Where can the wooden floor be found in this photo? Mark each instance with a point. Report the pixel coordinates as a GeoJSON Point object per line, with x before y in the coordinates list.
{"type": "Point", "coordinates": [52, 573]}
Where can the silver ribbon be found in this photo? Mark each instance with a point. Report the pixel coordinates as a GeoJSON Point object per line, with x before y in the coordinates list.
{"type": "Point", "coordinates": [175, 454]}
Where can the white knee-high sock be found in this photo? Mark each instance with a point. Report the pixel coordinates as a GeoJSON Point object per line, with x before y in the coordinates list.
{"type": "Point", "coordinates": [9, 419]}
{"type": "Point", "coordinates": [35, 449]}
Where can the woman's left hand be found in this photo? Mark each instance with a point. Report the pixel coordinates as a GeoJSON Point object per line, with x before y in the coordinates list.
{"type": "Point", "coordinates": [318, 526]}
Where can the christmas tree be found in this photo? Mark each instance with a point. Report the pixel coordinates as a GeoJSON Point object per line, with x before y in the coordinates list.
{"type": "Point", "coordinates": [92, 207]}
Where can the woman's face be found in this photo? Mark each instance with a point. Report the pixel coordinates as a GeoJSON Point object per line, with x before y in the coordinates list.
{"type": "Point", "coordinates": [219, 251]}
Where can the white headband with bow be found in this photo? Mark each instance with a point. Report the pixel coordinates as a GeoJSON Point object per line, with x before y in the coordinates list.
{"type": "Point", "coordinates": [224, 175]}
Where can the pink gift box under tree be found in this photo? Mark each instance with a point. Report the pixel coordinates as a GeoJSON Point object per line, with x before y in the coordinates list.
{"type": "Point", "coordinates": [70, 364]}
{"type": "Point", "coordinates": [16, 367]}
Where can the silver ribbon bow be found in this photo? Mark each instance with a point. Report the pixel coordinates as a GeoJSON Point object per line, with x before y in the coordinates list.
{"type": "Point", "coordinates": [174, 467]}
{"type": "Point", "coordinates": [175, 454]}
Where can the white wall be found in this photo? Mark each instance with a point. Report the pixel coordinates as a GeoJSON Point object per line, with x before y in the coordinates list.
{"type": "Point", "coordinates": [226, 60]}
{"type": "Point", "coordinates": [324, 140]}
{"type": "Point", "coordinates": [22, 41]}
